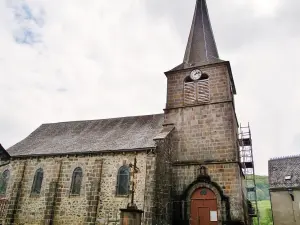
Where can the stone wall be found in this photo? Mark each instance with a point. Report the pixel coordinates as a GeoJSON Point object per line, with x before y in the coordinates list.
{"type": "Point", "coordinates": [13, 191]}
{"type": "Point", "coordinates": [149, 208]}
{"type": "Point", "coordinates": [227, 176]}
{"type": "Point", "coordinates": [97, 200]}
{"type": "Point", "coordinates": [163, 181]}
{"type": "Point", "coordinates": [206, 133]}
{"type": "Point", "coordinates": [285, 211]}
{"type": "Point", "coordinates": [219, 85]}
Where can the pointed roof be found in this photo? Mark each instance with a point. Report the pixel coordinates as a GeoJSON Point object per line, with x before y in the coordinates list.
{"type": "Point", "coordinates": [201, 48]}
{"type": "Point", "coordinates": [280, 168]}
{"type": "Point", "coordinates": [3, 153]}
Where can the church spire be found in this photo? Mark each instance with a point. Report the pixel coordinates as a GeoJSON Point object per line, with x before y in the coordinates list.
{"type": "Point", "coordinates": [201, 48]}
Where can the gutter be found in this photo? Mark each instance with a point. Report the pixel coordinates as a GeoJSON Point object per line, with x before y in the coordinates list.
{"type": "Point", "coordinates": [119, 151]}
{"type": "Point", "coordinates": [283, 189]}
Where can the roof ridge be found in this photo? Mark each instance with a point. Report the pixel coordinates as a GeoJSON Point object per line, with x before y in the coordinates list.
{"type": "Point", "coordinates": [89, 120]}
{"type": "Point", "coordinates": [285, 157]}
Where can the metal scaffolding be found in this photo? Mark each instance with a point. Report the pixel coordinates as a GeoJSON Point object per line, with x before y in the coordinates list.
{"type": "Point", "coordinates": [246, 154]}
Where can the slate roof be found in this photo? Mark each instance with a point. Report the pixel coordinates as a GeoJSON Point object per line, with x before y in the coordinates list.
{"type": "Point", "coordinates": [280, 168]}
{"type": "Point", "coordinates": [201, 47]}
{"type": "Point", "coordinates": [4, 153]}
{"type": "Point", "coordinates": [127, 133]}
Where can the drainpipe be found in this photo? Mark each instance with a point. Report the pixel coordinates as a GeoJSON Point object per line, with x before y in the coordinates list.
{"type": "Point", "coordinates": [290, 191]}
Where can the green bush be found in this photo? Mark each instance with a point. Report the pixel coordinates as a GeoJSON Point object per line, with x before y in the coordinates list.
{"type": "Point", "coordinates": [265, 213]}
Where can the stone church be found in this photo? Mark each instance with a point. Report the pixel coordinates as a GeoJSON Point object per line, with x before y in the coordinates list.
{"type": "Point", "coordinates": [182, 166]}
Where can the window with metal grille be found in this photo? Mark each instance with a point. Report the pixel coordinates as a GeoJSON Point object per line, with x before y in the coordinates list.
{"type": "Point", "coordinates": [37, 181]}
{"type": "Point", "coordinates": [123, 181]}
{"type": "Point", "coordinates": [4, 181]}
{"type": "Point", "coordinates": [196, 91]}
{"type": "Point", "coordinates": [76, 181]}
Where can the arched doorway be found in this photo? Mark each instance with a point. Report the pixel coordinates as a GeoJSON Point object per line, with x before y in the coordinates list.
{"type": "Point", "coordinates": [204, 207]}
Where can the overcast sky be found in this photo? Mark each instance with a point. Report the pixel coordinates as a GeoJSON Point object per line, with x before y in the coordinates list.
{"type": "Point", "coordinates": [63, 60]}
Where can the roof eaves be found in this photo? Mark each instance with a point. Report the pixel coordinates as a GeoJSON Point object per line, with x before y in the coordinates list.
{"type": "Point", "coordinates": [85, 153]}
{"type": "Point", "coordinates": [284, 157]}
{"type": "Point", "coordinates": [167, 129]}
{"type": "Point", "coordinates": [273, 189]}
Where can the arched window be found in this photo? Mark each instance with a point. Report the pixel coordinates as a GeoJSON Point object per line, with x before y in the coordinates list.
{"type": "Point", "coordinates": [123, 181]}
{"type": "Point", "coordinates": [37, 181]}
{"type": "Point", "coordinates": [76, 181]}
{"type": "Point", "coordinates": [196, 91]}
{"type": "Point", "coordinates": [4, 181]}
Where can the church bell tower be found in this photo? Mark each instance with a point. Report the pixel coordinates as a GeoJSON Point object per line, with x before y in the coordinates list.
{"type": "Point", "coordinates": [207, 182]}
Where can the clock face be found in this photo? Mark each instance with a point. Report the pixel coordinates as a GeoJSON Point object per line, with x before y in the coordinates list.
{"type": "Point", "coordinates": [195, 74]}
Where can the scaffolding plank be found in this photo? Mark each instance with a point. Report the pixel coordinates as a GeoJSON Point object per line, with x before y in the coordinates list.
{"type": "Point", "coordinates": [245, 142]}
{"type": "Point", "coordinates": [248, 165]}
{"type": "Point", "coordinates": [251, 189]}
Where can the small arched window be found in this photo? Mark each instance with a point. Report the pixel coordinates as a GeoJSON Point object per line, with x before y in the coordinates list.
{"type": "Point", "coordinates": [76, 181]}
{"type": "Point", "coordinates": [37, 181]}
{"type": "Point", "coordinates": [123, 181]}
{"type": "Point", "coordinates": [196, 91]}
{"type": "Point", "coordinates": [4, 181]}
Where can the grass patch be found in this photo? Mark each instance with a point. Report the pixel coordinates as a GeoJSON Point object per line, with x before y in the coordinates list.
{"type": "Point", "coordinates": [265, 212]}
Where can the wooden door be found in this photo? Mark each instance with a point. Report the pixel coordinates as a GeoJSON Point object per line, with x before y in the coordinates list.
{"type": "Point", "coordinates": [203, 207]}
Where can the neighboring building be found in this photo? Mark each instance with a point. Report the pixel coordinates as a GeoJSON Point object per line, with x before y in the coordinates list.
{"type": "Point", "coordinates": [284, 179]}
{"type": "Point", "coordinates": [4, 156]}
{"type": "Point", "coordinates": [189, 168]}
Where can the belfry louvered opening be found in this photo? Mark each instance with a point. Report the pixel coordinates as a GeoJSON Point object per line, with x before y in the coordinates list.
{"type": "Point", "coordinates": [196, 92]}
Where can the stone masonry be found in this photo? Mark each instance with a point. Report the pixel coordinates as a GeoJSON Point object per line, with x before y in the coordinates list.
{"type": "Point", "coordinates": [192, 147]}
{"type": "Point", "coordinates": [97, 201]}
{"type": "Point", "coordinates": [206, 134]}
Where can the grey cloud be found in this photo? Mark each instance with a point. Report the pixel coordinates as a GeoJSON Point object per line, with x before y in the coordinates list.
{"type": "Point", "coordinates": [62, 89]}
{"type": "Point", "coordinates": [234, 24]}
{"type": "Point", "coordinates": [180, 12]}
{"type": "Point", "coordinates": [288, 17]}
{"type": "Point", "coordinates": [263, 56]}
{"type": "Point", "coordinates": [113, 66]}
{"type": "Point", "coordinates": [296, 142]}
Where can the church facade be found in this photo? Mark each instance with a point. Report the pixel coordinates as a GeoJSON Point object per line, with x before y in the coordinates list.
{"type": "Point", "coordinates": [183, 166]}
